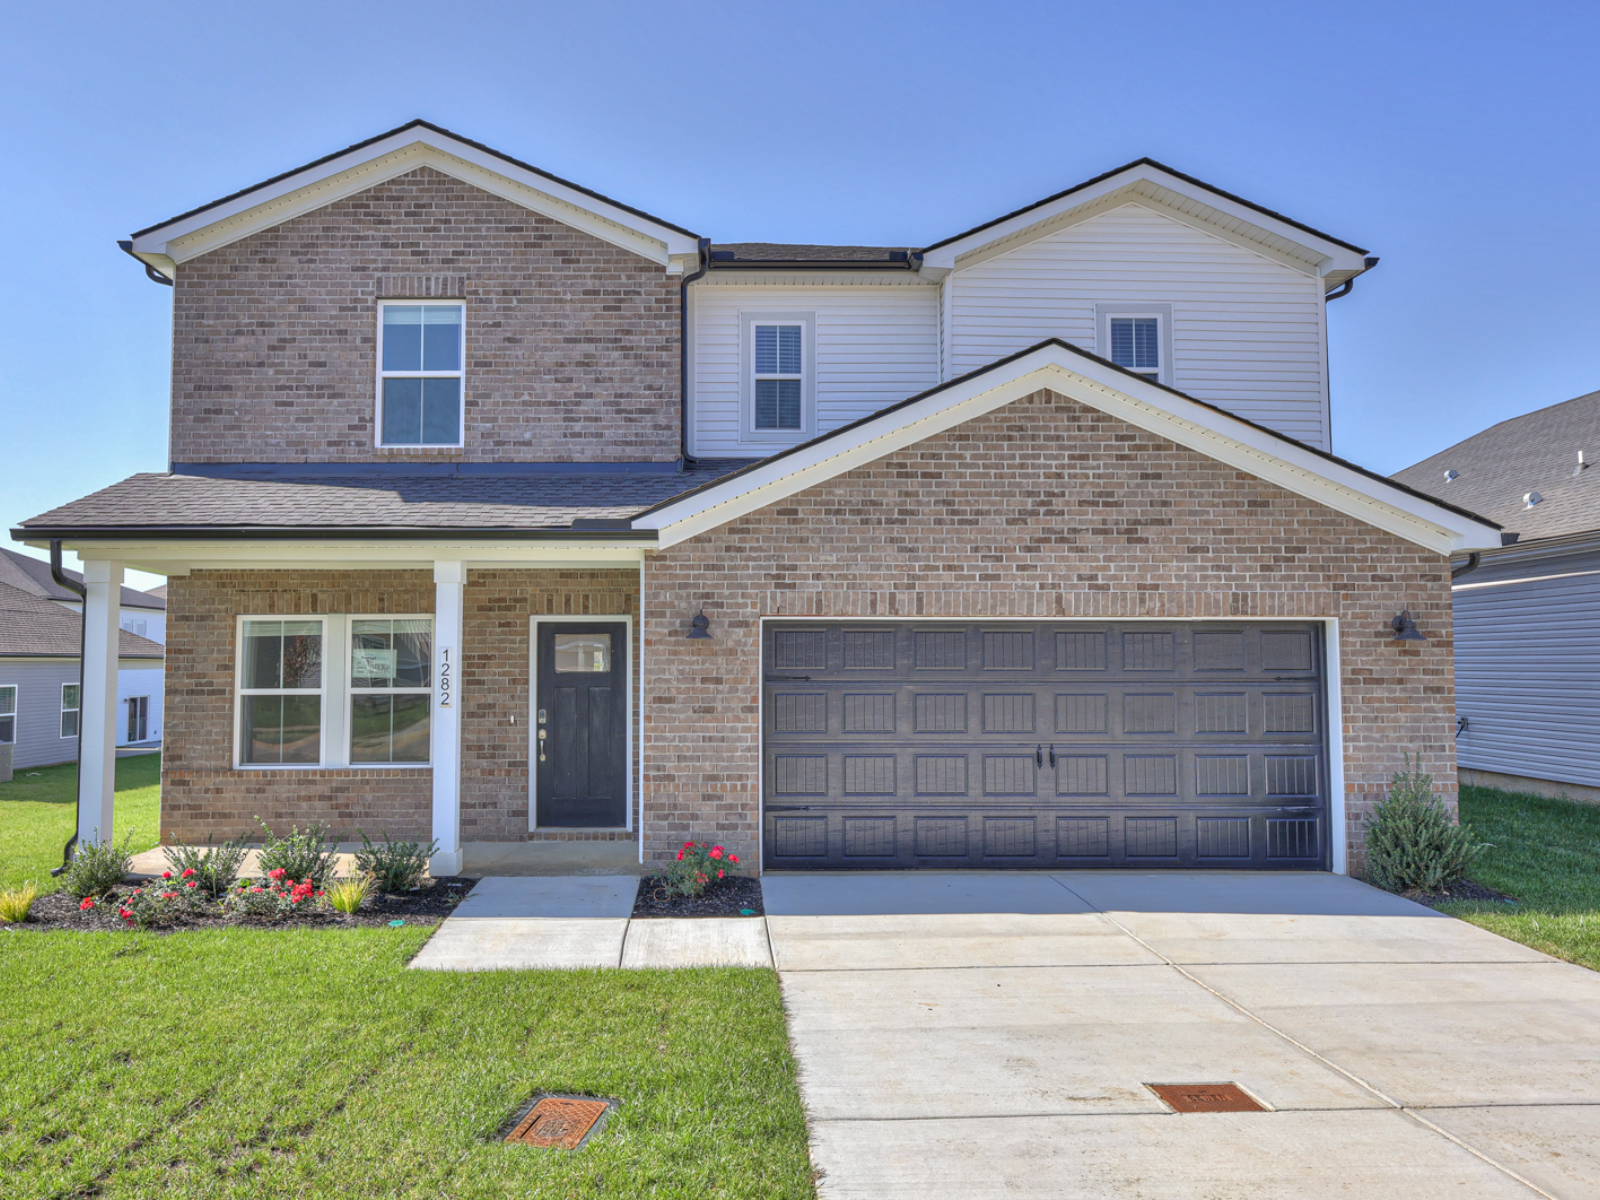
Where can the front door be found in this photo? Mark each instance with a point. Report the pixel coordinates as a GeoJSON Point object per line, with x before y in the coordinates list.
{"type": "Point", "coordinates": [580, 724]}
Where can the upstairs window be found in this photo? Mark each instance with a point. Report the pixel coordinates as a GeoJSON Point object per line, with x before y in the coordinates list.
{"type": "Point", "coordinates": [779, 377]}
{"type": "Point", "coordinates": [70, 707]}
{"type": "Point", "coordinates": [419, 372]}
{"type": "Point", "coordinates": [1136, 344]}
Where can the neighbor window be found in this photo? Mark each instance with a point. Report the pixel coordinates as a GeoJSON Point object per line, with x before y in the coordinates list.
{"type": "Point", "coordinates": [779, 376]}
{"type": "Point", "coordinates": [1136, 344]}
{"type": "Point", "coordinates": [391, 681]}
{"type": "Point", "coordinates": [419, 373]}
{"type": "Point", "coordinates": [280, 692]}
{"type": "Point", "coordinates": [8, 713]}
{"type": "Point", "coordinates": [70, 706]}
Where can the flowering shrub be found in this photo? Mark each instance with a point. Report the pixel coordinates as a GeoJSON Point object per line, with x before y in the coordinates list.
{"type": "Point", "coordinates": [160, 902]}
{"type": "Point", "coordinates": [307, 855]}
{"type": "Point", "coordinates": [275, 897]}
{"type": "Point", "coordinates": [697, 867]}
{"type": "Point", "coordinates": [213, 867]}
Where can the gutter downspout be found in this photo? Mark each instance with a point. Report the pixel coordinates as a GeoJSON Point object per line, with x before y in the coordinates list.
{"type": "Point", "coordinates": [1350, 284]}
{"type": "Point", "coordinates": [1470, 565]}
{"type": "Point", "coordinates": [82, 593]}
{"type": "Point", "coordinates": [154, 275]}
{"type": "Point", "coordinates": [683, 352]}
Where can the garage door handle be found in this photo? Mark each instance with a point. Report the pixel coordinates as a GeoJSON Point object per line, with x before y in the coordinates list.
{"type": "Point", "coordinates": [788, 808]}
{"type": "Point", "coordinates": [1038, 756]}
{"type": "Point", "coordinates": [788, 679]}
{"type": "Point", "coordinates": [1052, 754]}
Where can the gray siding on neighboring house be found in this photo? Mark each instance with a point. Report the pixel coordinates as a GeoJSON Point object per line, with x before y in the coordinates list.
{"type": "Point", "coordinates": [1527, 633]}
{"type": "Point", "coordinates": [38, 683]}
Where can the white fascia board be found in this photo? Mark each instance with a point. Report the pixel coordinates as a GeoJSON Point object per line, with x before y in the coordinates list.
{"type": "Point", "coordinates": [179, 557]}
{"type": "Point", "coordinates": [308, 190]}
{"type": "Point", "coordinates": [1218, 436]}
{"type": "Point", "coordinates": [1333, 256]}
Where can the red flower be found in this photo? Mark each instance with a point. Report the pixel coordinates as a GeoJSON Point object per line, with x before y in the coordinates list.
{"type": "Point", "coordinates": [716, 852]}
{"type": "Point", "coordinates": [188, 872]}
{"type": "Point", "coordinates": [166, 874]}
{"type": "Point", "coordinates": [720, 874]}
{"type": "Point", "coordinates": [138, 891]}
{"type": "Point", "coordinates": [191, 883]}
{"type": "Point", "coordinates": [169, 895]}
{"type": "Point", "coordinates": [688, 845]}
{"type": "Point", "coordinates": [88, 903]}
{"type": "Point", "coordinates": [276, 873]}
{"type": "Point", "coordinates": [733, 858]}
{"type": "Point", "coordinates": [680, 855]}
{"type": "Point", "coordinates": [125, 914]}
{"type": "Point", "coordinates": [256, 890]}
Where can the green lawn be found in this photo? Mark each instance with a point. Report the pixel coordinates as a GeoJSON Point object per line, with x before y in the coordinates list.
{"type": "Point", "coordinates": [37, 815]}
{"type": "Point", "coordinates": [312, 1063]}
{"type": "Point", "coordinates": [1546, 853]}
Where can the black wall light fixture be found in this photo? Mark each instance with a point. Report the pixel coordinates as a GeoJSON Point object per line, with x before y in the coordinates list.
{"type": "Point", "coordinates": [1405, 629]}
{"type": "Point", "coordinates": [700, 627]}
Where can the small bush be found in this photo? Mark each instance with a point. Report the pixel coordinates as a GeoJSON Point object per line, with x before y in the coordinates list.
{"type": "Point", "coordinates": [697, 867]}
{"type": "Point", "coordinates": [307, 855]}
{"type": "Point", "coordinates": [214, 867]}
{"type": "Point", "coordinates": [394, 866]}
{"type": "Point", "coordinates": [346, 895]}
{"type": "Point", "coordinates": [275, 897]}
{"type": "Point", "coordinates": [1411, 844]}
{"type": "Point", "coordinates": [163, 901]}
{"type": "Point", "coordinates": [16, 902]}
{"type": "Point", "coordinates": [98, 867]}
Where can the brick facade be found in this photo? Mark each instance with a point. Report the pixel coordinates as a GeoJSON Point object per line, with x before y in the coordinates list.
{"type": "Point", "coordinates": [1043, 509]}
{"type": "Point", "coordinates": [571, 343]}
{"type": "Point", "coordinates": [205, 799]}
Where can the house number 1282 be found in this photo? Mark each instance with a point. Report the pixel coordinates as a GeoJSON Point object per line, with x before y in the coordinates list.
{"type": "Point", "coordinates": [445, 682]}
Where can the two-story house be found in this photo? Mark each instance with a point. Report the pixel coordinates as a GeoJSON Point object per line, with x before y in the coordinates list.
{"type": "Point", "coordinates": [499, 510]}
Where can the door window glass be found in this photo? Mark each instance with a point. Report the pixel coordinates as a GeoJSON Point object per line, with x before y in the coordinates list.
{"type": "Point", "coordinates": [586, 653]}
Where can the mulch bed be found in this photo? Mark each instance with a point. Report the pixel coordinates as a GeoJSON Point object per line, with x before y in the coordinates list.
{"type": "Point", "coordinates": [428, 905]}
{"type": "Point", "coordinates": [735, 896]}
{"type": "Point", "coordinates": [1467, 889]}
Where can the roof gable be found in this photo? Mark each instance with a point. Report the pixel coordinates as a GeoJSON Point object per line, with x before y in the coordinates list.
{"type": "Point", "coordinates": [366, 164]}
{"type": "Point", "coordinates": [1091, 380]}
{"type": "Point", "coordinates": [1177, 195]}
{"type": "Point", "coordinates": [34, 627]}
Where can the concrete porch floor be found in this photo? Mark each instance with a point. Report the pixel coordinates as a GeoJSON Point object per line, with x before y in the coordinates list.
{"type": "Point", "coordinates": [480, 859]}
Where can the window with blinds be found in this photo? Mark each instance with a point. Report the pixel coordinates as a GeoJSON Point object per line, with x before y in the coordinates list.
{"type": "Point", "coordinates": [1136, 344]}
{"type": "Point", "coordinates": [779, 376]}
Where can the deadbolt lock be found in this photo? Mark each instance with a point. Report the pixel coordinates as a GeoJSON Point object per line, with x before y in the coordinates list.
{"type": "Point", "coordinates": [542, 717]}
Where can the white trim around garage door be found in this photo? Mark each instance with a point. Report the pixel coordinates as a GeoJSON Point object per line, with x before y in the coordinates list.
{"type": "Point", "coordinates": [1333, 699]}
{"type": "Point", "coordinates": [635, 679]}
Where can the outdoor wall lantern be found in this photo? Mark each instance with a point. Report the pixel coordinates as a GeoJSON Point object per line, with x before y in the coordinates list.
{"type": "Point", "coordinates": [1405, 629]}
{"type": "Point", "coordinates": [700, 627]}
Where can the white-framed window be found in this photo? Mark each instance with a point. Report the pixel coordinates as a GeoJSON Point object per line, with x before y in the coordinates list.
{"type": "Point", "coordinates": [136, 625]}
{"type": "Point", "coordinates": [778, 354]}
{"type": "Point", "coordinates": [391, 690]}
{"type": "Point", "coordinates": [71, 705]}
{"type": "Point", "coordinates": [420, 382]}
{"type": "Point", "coordinates": [8, 713]}
{"type": "Point", "coordinates": [281, 690]}
{"type": "Point", "coordinates": [138, 718]}
{"type": "Point", "coordinates": [1138, 338]}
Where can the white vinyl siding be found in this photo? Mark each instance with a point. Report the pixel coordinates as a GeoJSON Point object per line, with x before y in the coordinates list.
{"type": "Point", "coordinates": [1247, 331]}
{"type": "Point", "coordinates": [873, 346]}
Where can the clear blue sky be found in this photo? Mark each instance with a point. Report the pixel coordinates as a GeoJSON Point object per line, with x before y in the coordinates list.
{"type": "Point", "coordinates": [1457, 141]}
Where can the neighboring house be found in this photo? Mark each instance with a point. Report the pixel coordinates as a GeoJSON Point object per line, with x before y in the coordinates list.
{"type": "Point", "coordinates": [1023, 549]}
{"type": "Point", "coordinates": [1528, 615]}
{"type": "Point", "coordinates": [39, 699]}
{"type": "Point", "coordinates": [140, 687]}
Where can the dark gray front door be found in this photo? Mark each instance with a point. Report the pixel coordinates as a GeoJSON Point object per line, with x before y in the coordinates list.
{"type": "Point", "coordinates": [1044, 744]}
{"type": "Point", "coordinates": [580, 725]}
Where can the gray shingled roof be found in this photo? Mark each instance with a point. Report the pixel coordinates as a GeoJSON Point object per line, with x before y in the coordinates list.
{"type": "Point", "coordinates": [1537, 452]}
{"type": "Point", "coordinates": [804, 252]}
{"type": "Point", "coordinates": [32, 575]}
{"type": "Point", "coordinates": [34, 627]}
{"type": "Point", "coordinates": [543, 501]}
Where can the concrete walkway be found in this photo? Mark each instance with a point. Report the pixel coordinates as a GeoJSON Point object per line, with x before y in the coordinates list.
{"type": "Point", "coordinates": [980, 1035]}
{"type": "Point", "coordinates": [582, 921]}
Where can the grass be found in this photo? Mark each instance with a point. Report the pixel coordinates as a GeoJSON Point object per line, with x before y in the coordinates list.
{"type": "Point", "coordinates": [1546, 853]}
{"type": "Point", "coordinates": [312, 1063]}
{"type": "Point", "coordinates": [38, 814]}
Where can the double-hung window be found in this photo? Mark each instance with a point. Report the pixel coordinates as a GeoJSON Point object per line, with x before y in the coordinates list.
{"type": "Point", "coordinates": [70, 708]}
{"type": "Point", "coordinates": [419, 372]}
{"type": "Point", "coordinates": [391, 689]}
{"type": "Point", "coordinates": [8, 713]}
{"type": "Point", "coordinates": [779, 377]}
{"type": "Point", "coordinates": [281, 693]}
{"type": "Point", "coordinates": [1136, 344]}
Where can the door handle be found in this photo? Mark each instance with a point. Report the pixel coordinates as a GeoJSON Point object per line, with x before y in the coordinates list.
{"type": "Point", "coordinates": [543, 733]}
{"type": "Point", "coordinates": [1038, 756]}
{"type": "Point", "coordinates": [1052, 754]}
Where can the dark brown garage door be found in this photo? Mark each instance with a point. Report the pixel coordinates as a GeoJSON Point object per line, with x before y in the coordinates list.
{"type": "Point", "coordinates": [1044, 744]}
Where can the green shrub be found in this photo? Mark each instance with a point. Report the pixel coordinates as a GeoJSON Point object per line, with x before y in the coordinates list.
{"type": "Point", "coordinates": [215, 867]}
{"type": "Point", "coordinates": [97, 867]}
{"type": "Point", "coordinates": [274, 898]}
{"type": "Point", "coordinates": [394, 866]}
{"type": "Point", "coordinates": [697, 867]}
{"type": "Point", "coordinates": [161, 902]}
{"type": "Point", "coordinates": [307, 855]}
{"type": "Point", "coordinates": [1411, 844]}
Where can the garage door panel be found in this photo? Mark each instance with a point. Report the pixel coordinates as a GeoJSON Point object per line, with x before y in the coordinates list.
{"type": "Point", "coordinates": [1044, 744]}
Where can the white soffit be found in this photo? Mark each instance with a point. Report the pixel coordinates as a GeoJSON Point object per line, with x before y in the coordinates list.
{"type": "Point", "coordinates": [181, 556]}
{"type": "Point", "coordinates": [316, 187]}
{"type": "Point", "coordinates": [1226, 439]}
{"type": "Point", "coordinates": [1197, 206]}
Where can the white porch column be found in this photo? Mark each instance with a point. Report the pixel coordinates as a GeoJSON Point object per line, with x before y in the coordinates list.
{"type": "Point", "coordinates": [449, 583]}
{"type": "Point", "coordinates": [97, 716]}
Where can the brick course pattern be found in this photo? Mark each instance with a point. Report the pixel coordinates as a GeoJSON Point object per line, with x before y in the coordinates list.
{"type": "Point", "coordinates": [1043, 509]}
{"type": "Point", "coordinates": [205, 799]}
{"type": "Point", "coordinates": [571, 343]}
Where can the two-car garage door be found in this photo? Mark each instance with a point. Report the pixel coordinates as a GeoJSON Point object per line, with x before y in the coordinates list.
{"type": "Point", "coordinates": [1044, 744]}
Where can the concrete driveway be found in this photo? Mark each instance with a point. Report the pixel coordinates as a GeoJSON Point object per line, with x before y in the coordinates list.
{"type": "Point", "coordinates": [982, 1034]}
